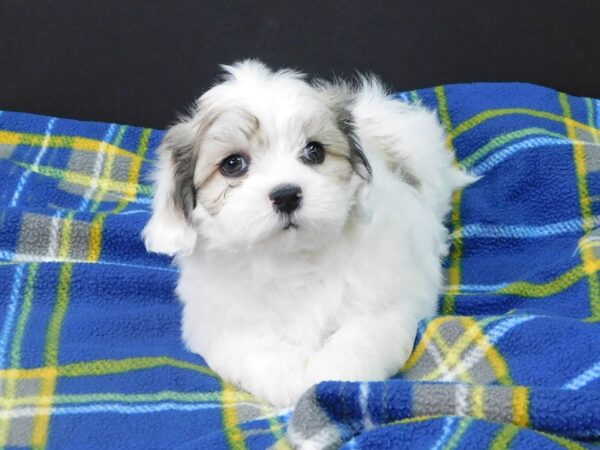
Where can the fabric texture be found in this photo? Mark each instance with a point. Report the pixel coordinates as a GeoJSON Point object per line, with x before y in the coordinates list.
{"type": "Point", "coordinates": [90, 348]}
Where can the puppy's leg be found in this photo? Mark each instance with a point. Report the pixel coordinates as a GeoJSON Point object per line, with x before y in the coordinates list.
{"type": "Point", "coordinates": [273, 370]}
{"type": "Point", "coordinates": [367, 348]}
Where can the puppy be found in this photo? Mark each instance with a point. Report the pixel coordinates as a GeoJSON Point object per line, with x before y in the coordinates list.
{"type": "Point", "coordinates": [307, 221]}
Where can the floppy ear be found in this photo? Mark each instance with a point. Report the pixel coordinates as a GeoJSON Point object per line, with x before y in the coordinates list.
{"type": "Point", "coordinates": [358, 160]}
{"type": "Point", "coordinates": [170, 229]}
{"type": "Point", "coordinates": [339, 97]}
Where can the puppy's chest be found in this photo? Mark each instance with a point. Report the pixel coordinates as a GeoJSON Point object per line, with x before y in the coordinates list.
{"type": "Point", "coordinates": [307, 308]}
{"type": "Point", "coordinates": [294, 290]}
{"type": "Point", "coordinates": [301, 302]}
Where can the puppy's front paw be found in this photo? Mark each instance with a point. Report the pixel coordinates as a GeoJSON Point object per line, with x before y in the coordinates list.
{"type": "Point", "coordinates": [277, 375]}
{"type": "Point", "coordinates": [328, 365]}
{"type": "Point", "coordinates": [367, 350]}
{"type": "Point", "coordinates": [283, 391]}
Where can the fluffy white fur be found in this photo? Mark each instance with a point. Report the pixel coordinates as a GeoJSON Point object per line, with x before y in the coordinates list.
{"type": "Point", "coordinates": [276, 310]}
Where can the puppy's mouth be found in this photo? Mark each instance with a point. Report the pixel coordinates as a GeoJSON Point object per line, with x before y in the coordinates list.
{"type": "Point", "coordinates": [289, 224]}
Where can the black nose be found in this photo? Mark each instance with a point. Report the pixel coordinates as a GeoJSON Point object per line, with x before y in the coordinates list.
{"type": "Point", "coordinates": [286, 198]}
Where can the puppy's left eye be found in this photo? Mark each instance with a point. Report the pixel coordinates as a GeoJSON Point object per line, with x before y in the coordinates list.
{"type": "Point", "coordinates": [313, 153]}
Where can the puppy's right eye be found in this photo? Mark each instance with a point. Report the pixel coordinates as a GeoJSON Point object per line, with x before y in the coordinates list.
{"type": "Point", "coordinates": [234, 165]}
{"type": "Point", "coordinates": [313, 153]}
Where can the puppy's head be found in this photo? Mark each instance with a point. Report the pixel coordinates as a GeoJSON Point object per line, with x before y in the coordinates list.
{"type": "Point", "coordinates": [265, 159]}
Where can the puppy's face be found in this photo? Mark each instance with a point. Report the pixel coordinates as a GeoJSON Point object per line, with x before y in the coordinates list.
{"type": "Point", "coordinates": [266, 159]}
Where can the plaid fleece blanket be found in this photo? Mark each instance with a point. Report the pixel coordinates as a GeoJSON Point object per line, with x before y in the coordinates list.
{"type": "Point", "coordinates": [90, 352]}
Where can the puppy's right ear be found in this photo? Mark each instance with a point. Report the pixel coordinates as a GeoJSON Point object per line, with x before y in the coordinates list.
{"type": "Point", "coordinates": [170, 229]}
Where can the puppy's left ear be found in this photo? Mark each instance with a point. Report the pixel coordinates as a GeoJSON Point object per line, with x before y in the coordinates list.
{"type": "Point", "coordinates": [339, 96]}
{"type": "Point", "coordinates": [358, 160]}
{"type": "Point", "coordinates": [170, 229]}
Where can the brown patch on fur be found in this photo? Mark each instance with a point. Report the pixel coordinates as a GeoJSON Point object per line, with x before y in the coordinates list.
{"type": "Point", "coordinates": [400, 170]}
{"type": "Point", "coordinates": [240, 130]}
{"type": "Point", "coordinates": [341, 147]}
{"type": "Point", "coordinates": [343, 170]}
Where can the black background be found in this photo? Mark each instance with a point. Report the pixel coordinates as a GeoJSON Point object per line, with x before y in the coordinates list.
{"type": "Point", "coordinates": [140, 62]}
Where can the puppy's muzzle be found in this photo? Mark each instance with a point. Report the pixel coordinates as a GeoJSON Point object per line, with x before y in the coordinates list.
{"type": "Point", "coordinates": [286, 198]}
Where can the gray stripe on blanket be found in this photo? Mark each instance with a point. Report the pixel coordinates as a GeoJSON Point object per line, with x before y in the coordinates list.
{"type": "Point", "coordinates": [592, 151]}
{"type": "Point", "coordinates": [480, 372]}
{"type": "Point", "coordinates": [448, 399]}
{"type": "Point", "coordinates": [20, 428]}
{"type": "Point", "coordinates": [94, 165]}
{"type": "Point", "coordinates": [310, 425]}
{"type": "Point", "coordinates": [6, 150]}
{"type": "Point", "coordinates": [41, 236]}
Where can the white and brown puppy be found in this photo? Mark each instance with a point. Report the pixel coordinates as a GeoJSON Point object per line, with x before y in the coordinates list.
{"type": "Point", "coordinates": [307, 220]}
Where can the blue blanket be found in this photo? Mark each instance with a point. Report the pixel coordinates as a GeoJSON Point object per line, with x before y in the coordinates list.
{"type": "Point", "coordinates": [90, 352]}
